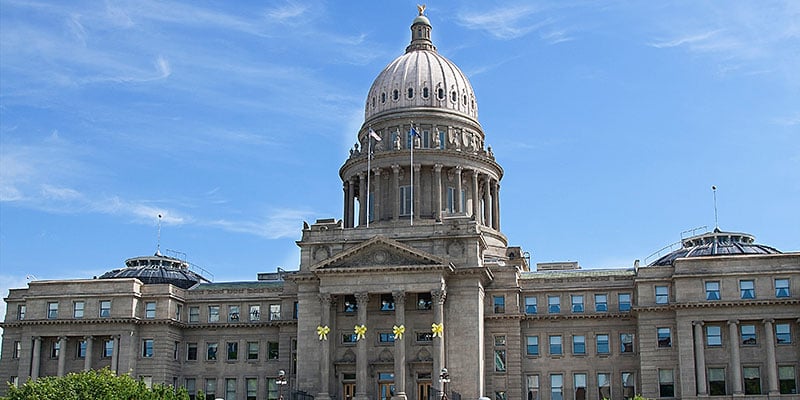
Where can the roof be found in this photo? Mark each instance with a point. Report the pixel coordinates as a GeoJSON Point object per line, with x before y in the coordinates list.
{"type": "Point", "coordinates": [157, 269]}
{"type": "Point", "coordinates": [578, 273]}
{"type": "Point", "coordinates": [716, 243]}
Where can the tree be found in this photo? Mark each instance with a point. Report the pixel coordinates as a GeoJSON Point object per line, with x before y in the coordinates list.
{"type": "Point", "coordinates": [93, 385]}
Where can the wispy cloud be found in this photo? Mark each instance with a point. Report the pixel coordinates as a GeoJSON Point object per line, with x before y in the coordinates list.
{"type": "Point", "coordinates": [278, 223]}
{"type": "Point", "coordinates": [691, 40]}
{"type": "Point", "coordinates": [504, 23]}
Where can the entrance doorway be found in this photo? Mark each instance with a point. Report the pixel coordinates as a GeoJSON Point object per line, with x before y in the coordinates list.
{"type": "Point", "coordinates": [348, 391]}
{"type": "Point", "coordinates": [423, 390]}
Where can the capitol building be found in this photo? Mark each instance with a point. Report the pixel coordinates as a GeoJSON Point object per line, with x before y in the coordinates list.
{"type": "Point", "coordinates": [415, 292]}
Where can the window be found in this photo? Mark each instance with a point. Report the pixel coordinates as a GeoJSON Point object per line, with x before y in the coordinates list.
{"type": "Point", "coordinates": [294, 310]}
{"type": "Point", "coordinates": [555, 345]}
{"type": "Point", "coordinates": [716, 381]}
{"type": "Point", "coordinates": [666, 383]}
{"type": "Point", "coordinates": [530, 305]}
{"type": "Point", "coordinates": [150, 309]}
{"type": "Point", "coordinates": [350, 305]}
{"type": "Point", "coordinates": [108, 348]}
{"type": "Point", "coordinates": [274, 312]}
{"type": "Point", "coordinates": [191, 351]}
{"type": "Point", "coordinates": [387, 302]}
{"type": "Point", "coordinates": [626, 343]}
{"type": "Point", "coordinates": [440, 94]}
{"type": "Point", "coordinates": [425, 92]}
{"type": "Point", "coordinates": [230, 389]}
{"type": "Point", "coordinates": [213, 313]}
{"type": "Point", "coordinates": [233, 313]}
{"type": "Point", "coordinates": [499, 304]}
{"type": "Point", "coordinates": [175, 350]}
{"type": "Point", "coordinates": [556, 387]}
{"type": "Point", "coordinates": [553, 304]}
{"type": "Point", "coordinates": [14, 381]}
{"type": "Point", "coordinates": [577, 303]}
{"type": "Point", "coordinates": [752, 380]}
{"type": "Point", "coordinates": [194, 314]}
{"type": "Point", "coordinates": [783, 333]}
{"type": "Point", "coordinates": [105, 308]}
{"type": "Point", "coordinates": [21, 309]}
{"type": "Point", "coordinates": [273, 351]}
{"type": "Point", "coordinates": [80, 351]}
{"type": "Point", "coordinates": [52, 310]}
{"type": "Point", "coordinates": [77, 309]}
{"type": "Point", "coordinates": [272, 389]}
{"type": "Point", "coordinates": [451, 199]}
{"type": "Point", "coordinates": [147, 348]}
{"type": "Point", "coordinates": [500, 395]}
{"type": "Point", "coordinates": [533, 387]}
{"type": "Point", "coordinates": [662, 295]}
{"type": "Point", "coordinates": [178, 311]}
{"type": "Point", "coordinates": [191, 387]}
{"type": "Point", "coordinates": [252, 388]}
{"type": "Point", "coordinates": [55, 349]}
{"type": "Point", "coordinates": [410, 93]}
{"type": "Point", "coordinates": [17, 349]}
{"type": "Point", "coordinates": [349, 338]}
{"type": "Point", "coordinates": [211, 351]}
{"type": "Point", "coordinates": [424, 336]}
{"type": "Point", "coordinates": [748, 334]}
{"type": "Point", "coordinates": [602, 344]}
{"type": "Point", "coordinates": [579, 383]}
{"type": "Point", "coordinates": [424, 301]}
{"type": "Point", "coordinates": [395, 94]}
{"type": "Point", "coordinates": [747, 289]}
{"type": "Point", "coordinates": [664, 338]}
{"type": "Point", "coordinates": [147, 380]}
{"type": "Point", "coordinates": [500, 360]}
{"type": "Point", "coordinates": [713, 335]}
{"type": "Point", "coordinates": [712, 290]}
{"type": "Point", "coordinates": [255, 312]}
{"type": "Point", "coordinates": [600, 303]}
{"type": "Point", "coordinates": [786, 380]}
{"type": "Point", "coordinates": [604, 385]}
{"type": "Point", "coordinates": [453, 96]}
{"type": "Point", "coordinates": [532, 346]}
{"type": "Point", "coordinates": [383, 97]}
{"type": "Point", "coordinates": [233, 351]}
{"type": "Point", "coordinates": [579, 345]}
{"type": "Point", "coordinates": [782, 288]}
{"type": "Point", "coordinates": [624, 302]}
{"type": "Point", "coordinates": [386, 337]}
{"type": "Point", "coordinates": [628, 386]}
{"type": "Point", "coordinates": [252, 350]}
{"type": "Point", "coordinates": [211, 388]}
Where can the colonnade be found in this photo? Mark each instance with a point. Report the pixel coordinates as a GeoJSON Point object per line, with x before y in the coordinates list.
{"type": "Point", "coordinates": [62, 355]}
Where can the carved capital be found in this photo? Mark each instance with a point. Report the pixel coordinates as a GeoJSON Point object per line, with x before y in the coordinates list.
{"type": "Point", "coordinates": [376, 171]}
{"type": "Point", "coordinates": [88, 338]}
{"type": "Point", "coordinates": [733, 322]}
{"type": "Point", "coordinates": [396, 169]}
{"type": "Point", "coordinates": [437, 168]}
{"type": "Point", "coordinates": [362, 298]}
{"type": "Point", "coordinates": [325, 299]}
{"type": "Point", "coordinates": [438, 295]}
{"type": "Point", "coordinates": [698, 323]}
{"type": "Point", "coordinates": [768, 321]}
{"type": "Point", "coordinates": [399, 296]}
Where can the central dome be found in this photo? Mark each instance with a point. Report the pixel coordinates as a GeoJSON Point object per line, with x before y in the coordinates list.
{"type": "Point", "coordinates": [421, 78]}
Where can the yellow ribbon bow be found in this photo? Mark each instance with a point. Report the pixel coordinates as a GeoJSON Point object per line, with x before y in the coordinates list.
{"type": "Point", "coordinates": [322, 331]}
{"type": "Point", "coordinates": [398, 331]}
{"type": "Point", "coordinates": [437, 329]}
{"type": "Point", "coordinates": [360, 331]}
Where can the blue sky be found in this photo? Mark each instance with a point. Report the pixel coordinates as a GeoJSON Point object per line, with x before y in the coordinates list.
{"type": "Point", "coordinates": [612, 121]}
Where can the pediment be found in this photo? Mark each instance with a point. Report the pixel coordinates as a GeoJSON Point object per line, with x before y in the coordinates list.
{"type": "Point", "coordinates": [379, 252]}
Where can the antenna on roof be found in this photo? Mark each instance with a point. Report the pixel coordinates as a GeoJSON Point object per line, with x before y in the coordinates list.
{"type": "Point", "coordinates": [716, 219]}
{"type": "Point", "coordinates": [158, 241]}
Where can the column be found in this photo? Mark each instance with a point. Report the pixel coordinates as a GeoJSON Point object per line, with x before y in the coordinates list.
{"type": "Point", "coordinates": [700, 359]}
{"type": "Point", "coordinates": [772, 368]}
{"type": "Point", "coordinates": [417, 192]}
{"type": "Point", "coordinates": [476, 204]}
{"type": "Point", "coordinates": [487, 202]}
{"type": "Point", "coordinates": [736, 367]}
{"type": "Point", "coordinates": [346, 207]}
{"type": "Point", "coordinates": [62, 354]}
{"type": "Point", "coordinates": [37, 357]}
{"type": "Point", "coordinates": [437, 171]}
{"type": "Point", "coordinates": [87, 361]}
{"type": "Point", "coordinates": [458, 198]}
{"type": "Point", "coordinates": [376, 202]}
{"type": "Point", "coordinates": [438, 297]}
{"type": "Point", "coordinates": [400, 346]}
{"type": "Point", "coordinates": [325, 301]}
{"type": "Point", "coordinates": [496, 205]}
{"type": "Point", "coordinates": [115, 354]}
{"type": "Point", "coordinates": [396, 188]}
{"type": "Point", "coordinates": [362, 198]}
{"type": "Point", "coordinates": [362, 376]}
{"type": "Point", "coordinates": [351, 202]}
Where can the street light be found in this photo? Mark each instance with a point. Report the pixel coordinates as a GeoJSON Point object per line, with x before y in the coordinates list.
{"type": "Point", "coordinates": [444, 379]}
{"type": "Point", "coordinates": [281, 381]}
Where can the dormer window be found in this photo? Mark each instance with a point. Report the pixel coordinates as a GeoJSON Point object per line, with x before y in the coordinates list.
{"type": "Point", "coordinates": [410, 93]}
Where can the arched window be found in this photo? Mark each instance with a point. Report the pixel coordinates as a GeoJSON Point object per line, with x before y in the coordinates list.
{"type": "Point", "coordinates": [395, 95]}
{"type": "Point", "coordinates": [410, 93]}
{"type": "Point", "coordinates": [454, 96]}
{"type": "Point", "coordinates": [425, 93]}
{"type": "Point", "coordinates": [441, 94]}
{"type": "Point", "coordinates": [373, 101]}
{"type": "Point", "coordinates": [383, 97]}
{"type": "Point", "coordinates": [465, 100]}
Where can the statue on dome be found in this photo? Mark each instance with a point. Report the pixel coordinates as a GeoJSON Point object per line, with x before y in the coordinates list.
{"type": "Point", "coordinates": [397, 145]}
{"type": "Point", "coordinates": [437, 141]}
{"type": "Point", "coordinates": [421, 8]}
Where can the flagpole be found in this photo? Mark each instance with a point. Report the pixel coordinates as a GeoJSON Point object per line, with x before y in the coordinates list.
{"type": "Point", "coordinates": [369, 168]}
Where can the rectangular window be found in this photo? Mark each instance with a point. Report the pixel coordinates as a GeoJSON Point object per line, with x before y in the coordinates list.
{"type": "Point", "coordinates": [150, 309]}
{"type": "Point", "coordinates": [175, 350]}
{"type": "Point", "coordinates": [77, 309]}
{"type": "Point", "coordinates": [628, 386]}
{"type": "Point", "coordinates": [17, 349]}
{"type": "Point", "coordinates": [233, 313]}
{"type": "Point", "coordinates": [747, 289]}
{"type": "Point", "coordinates": [530, 305]}
{"type": "Point", "coordinates": [624, 302]}
{"type": "Point", "coordinates": [556, 387]}
{"type": "Point", "coordinates": [782, 288]}
{"type": "Point", "coordinates": [713, 335]}
{"type": "Point", "coordinates": [194, 314]}
{"type": "Point", "coordinates": [21, 309]}
{"type": "Point", "coordinates": [213, 313]}
{"type": "Point", "coordinates": [786, 380]}
{"type": "Point", "coordinates": [233, 351]}
{"type": "Point", "coordinates": [555, 345]}
{"type": "Point", "coordinates": [178, 312]}
{"type": "Point", "coordinates": [52, 310]}
{"type": "Point", "coordinates": [211, 389]}
{"type": "Point", "coordinates": [55, 349]}
{"type": "Point", "coordinates": [499, 304]}
{"type": "Point", "coordinates": [294, 310]}
{"type": "Point", "coordinates": [14, 381]}
{"type": "Point", "coordinates": [712, 291]}
{"type": "Point", "coordinates": [500, 395]}
{"type": "Point", "coordinates": [108, 348]}
{"type": "Point", "coordinates": [579, 345]}
{"type": "Point", "coordinates": [252, 350]}
{"type": "Point", "coordinates": [405, 200]}
{"type": "Point", "coordinates": [600, 303]}
{"type": "Point", "coordinates": [662, 295]}
{"type": "Point", "coordinates": [230, 389]}
{"type": "Point", "coordinates": [716, 381]}
{"type": "Point", "coordinates": [577, 303]}
{"type": "Point", "coordinates": [424, 301]}
{"type": "Point", "coordinates": [783, 333]}
{"type": "Point", "coordinates": [748, 334]}
{"type": "Point", "coordinates": [579, 384]}
{"type": "Point", "coordinates": [553, 304]}
{"type": "Point", "coordinates": [626, 343]}
{"type": "Point", "coordinates": [385, 337]}
{"type": "Point", "coordinates": [274, 312]}
{"type": "Point", "coordinates": [272, 389]}
{"type": "Point", "coordinates": [664, 337]}
{"type": "Point", "coordinates": [211, 351]}
{"type": "Point", "coordinates": [602, 344]}
{"type": "Point", "coordinates": [350, 305]}
{"type": "Point", "coordinates": [499, 360]}
{"type": "Point", "coordinates": [349, 338]}
{"type": "Point", "coordinates": [105, 308]}
{"type": "Point", "coordinates": [147, 348]}
{"type": "Point", "coordinates": [252, 388]}
{"type": "Point", "coordinates": [752, 380]}
{"type": "Point", "coordinates": [191, 351]}
{"type": "Point", "coordinates": [451, 200]}
{"type": "Point", "coordinates": [387, 302]}
{"type": "Point", "coordinates": [604, 385]}
{"type": "Point", "coordinates": [191, 387]}
{"type": "Point", "coordinates": [80, 351]}
{"type": "Point", "coordinates": [532, 346]}
{"type": "Point", "coordinates": [424, 336]}
{"type": "Point", "coordinates": [533, 387]}
{"type": "Point", "coordinates": [666, 383]}
{"type": "Point", "coordinates": [273, 352]}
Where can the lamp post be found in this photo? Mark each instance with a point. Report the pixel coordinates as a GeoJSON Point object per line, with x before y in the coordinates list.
{"type": "Point", "coordinates": [444, 379]}
{"type": "Point", "coordinates": [281, 381]}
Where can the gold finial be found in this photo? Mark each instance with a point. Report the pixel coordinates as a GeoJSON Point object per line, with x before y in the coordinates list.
{"type": "Point", "coordinates": [421, 8]}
